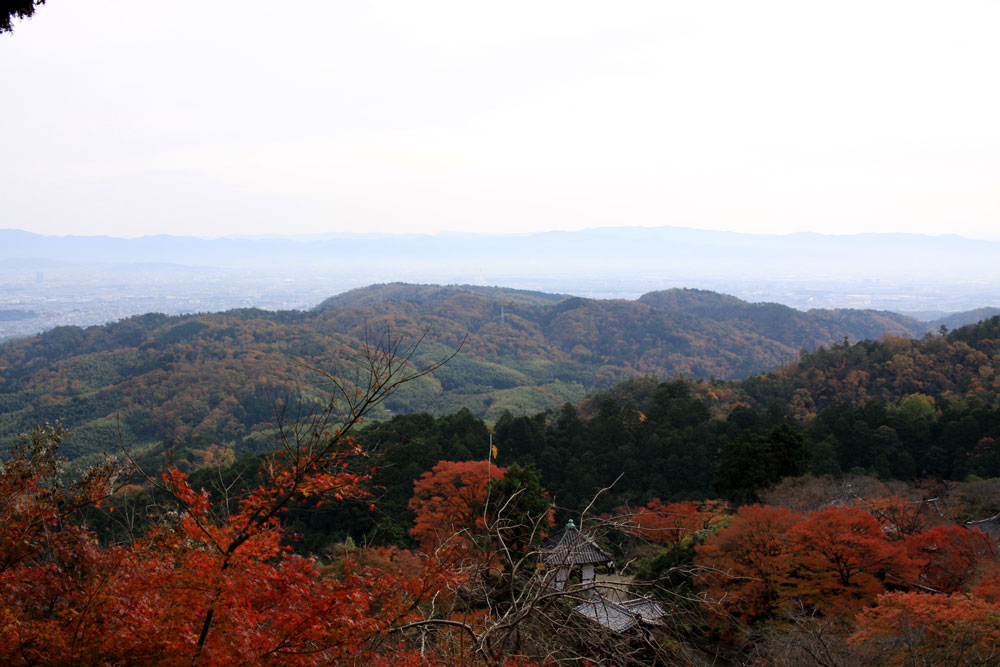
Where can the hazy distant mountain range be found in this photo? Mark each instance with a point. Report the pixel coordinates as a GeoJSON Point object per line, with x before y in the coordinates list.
{"type": "Point", "coordinates": [957, 320]}
{"type": "Point", "coordinates": [674, 251]}
{"type": "Point", "coordinates": [85, 280]}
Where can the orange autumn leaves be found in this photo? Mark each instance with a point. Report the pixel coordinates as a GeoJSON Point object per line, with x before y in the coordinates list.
{"type": "Point", "coordinates": [835, 561]}
{"type": "Point", "coordinates": [213, 582]}
{"type": "Point", "coordinates": [932, 591]}
{"type": "Point", "coordinates": [208, 583]}
{"type": "Point", "coordinates": [670, 523]}
{"type": "Point", "coordinates": [448, 503]}
{"type": "Point", "coordinates": [926, 629]}
{"type": "Point", "coordinates": [879, 570]}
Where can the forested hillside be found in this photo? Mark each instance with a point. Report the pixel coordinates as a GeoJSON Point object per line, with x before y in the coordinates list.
{"type": "Point", "coordinates": [956, 320]}
{"type": "Point", "coordinates": [693, 440]}
{"type": "Point", "coordinates": [170, 379]}
{"type": "Point", "coordinates": [861, 554]}
{"type": "Point", "coordinates": [961, 365]}
{"type": "Point", "coordinates": [240, 542]}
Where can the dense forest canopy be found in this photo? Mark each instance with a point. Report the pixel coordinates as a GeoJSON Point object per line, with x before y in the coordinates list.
{"type": "Point", "coordinates": [168, 379]}
{"type": "Point", "coordinates": [843, 410]}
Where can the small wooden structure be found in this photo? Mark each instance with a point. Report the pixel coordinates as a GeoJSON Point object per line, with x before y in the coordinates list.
{"type": "Point", "coordinates": [568, 549]}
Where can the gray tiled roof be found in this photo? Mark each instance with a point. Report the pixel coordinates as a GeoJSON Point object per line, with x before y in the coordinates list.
{"type": "Point", "coordinates": [570, 547]}
{"type": "Point", "coordinates": [621, 617]}
{"type": "Point", "coordinates": [989, 526]}
{"type": "Point", "coordinates": [612, 616]}
{"type": "Point", "coordinates": [648, 610]}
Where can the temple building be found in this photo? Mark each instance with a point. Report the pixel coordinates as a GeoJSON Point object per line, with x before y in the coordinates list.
{"type": "Point", "coordinates": [569, 549]}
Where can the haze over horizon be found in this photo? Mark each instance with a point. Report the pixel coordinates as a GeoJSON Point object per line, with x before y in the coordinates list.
{"type": "Point", "coordinates": [318, 236]}
{"type": "Point", "coordinates": [185, 118]}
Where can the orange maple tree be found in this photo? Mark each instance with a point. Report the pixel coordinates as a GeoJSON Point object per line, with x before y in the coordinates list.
{"type": "Point", "coordinates": [449, 505]}
{"type": "Point", "coordinates": [210, 583]}
{"type": "Point", "coordinates": [833, 561]}
{"type": "Point", "coordinates": [843, 560]}
{"type": "Point", "coordinates": [930, 629]}
{"type": "Point", "coordinates": [745, 567]}
{"type": "Point", "coordinates": [669, 523]}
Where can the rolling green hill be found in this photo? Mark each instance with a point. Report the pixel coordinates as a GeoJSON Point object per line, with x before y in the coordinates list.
{"type": "Point", "coordinates": [176, 379]}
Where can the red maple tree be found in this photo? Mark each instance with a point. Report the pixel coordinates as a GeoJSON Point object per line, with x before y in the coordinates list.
{"type": "Point", "coordinates": [449, 504]}
{"type": "Point", "coordinates": [949, 557]}
{"type": "Point", "coordinates": [746, 566]}
{"type": "Point", "coordinates": [669, 523]}
{"type": "Point", "coordinates": [843, 560]}
{"type": "Point", "coordinates": [210, 583]}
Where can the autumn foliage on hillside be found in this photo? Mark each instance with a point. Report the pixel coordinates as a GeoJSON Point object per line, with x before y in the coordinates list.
{"type": "Point", "coordinates": [212, 579]}
{"type": "Point", "coordinates": [174, 378]}
{"type": "Point", "coordinates": [861, 565]}
{"type": "Point", "coordinates": [670, 523]}
{"type": "Point", "coordinates": [840, 573]}
{"type": "Point", "coordinates": [963, 364]}
{"type": "Point", "coordinates": [207, 584]}
{"type": "Point", "coordinates": [213, 583]}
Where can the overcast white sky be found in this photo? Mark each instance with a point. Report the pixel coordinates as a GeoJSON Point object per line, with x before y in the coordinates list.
{"type": "Point", "coordinates": [213, 117]}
